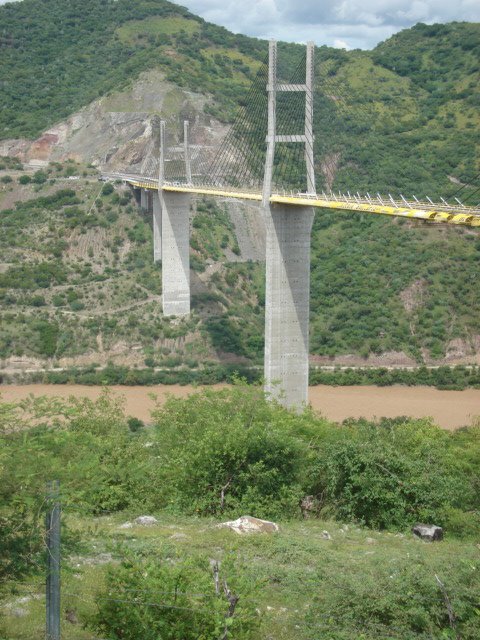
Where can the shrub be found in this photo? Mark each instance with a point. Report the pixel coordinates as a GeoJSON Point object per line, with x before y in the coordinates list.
{"type": "Point", "coordinates": [391, 474]}
{"type": "Point", "coordinates": [25, 179]}
{"type": "Point", "coordinates": [135, 424]}
{"type": "Point", "coordinates": [107, 189]}
{"type": "Point", "coordinates": [404, 602]}
{"type": "Point", "coordinates": [39, 177]}
{"type": "Point", "coordinates": [186, 605]}
{"type": "Point", "coordinates": [231, 451]}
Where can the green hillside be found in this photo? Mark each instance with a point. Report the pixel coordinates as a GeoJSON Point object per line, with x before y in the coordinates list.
{"type": "Point", "coordinates": [58, 56]}
{"type": "Point", "coordinates": [403, 118]}
{"type": "Point", "coordinates": [77, 280]}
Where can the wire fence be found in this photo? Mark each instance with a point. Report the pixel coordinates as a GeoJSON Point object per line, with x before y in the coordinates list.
{"type": "Point", "coordinates": [63, 599]}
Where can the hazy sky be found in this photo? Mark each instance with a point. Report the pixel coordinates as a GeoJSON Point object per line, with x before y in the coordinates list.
{"type": "Point", "coordinates": [339, 23]}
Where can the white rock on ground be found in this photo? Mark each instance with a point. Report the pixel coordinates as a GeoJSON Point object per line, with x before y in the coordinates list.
{"type": "Point", "coordinates": [428, 532]}
{"type": "Point", "coordinates": [145, 520]}
{"type": "Point", "coordinates": [249, 524]}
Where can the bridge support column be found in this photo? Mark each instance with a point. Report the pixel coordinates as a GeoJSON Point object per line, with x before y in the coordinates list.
{"type": "Point", "coordinates": [143, 199]}
{"type": "Point", "coordinates": [157, 227]}
{"type": "Point", "coordinates": [287, 302]}
{"type": "Point", "coordinates": [175, 253]}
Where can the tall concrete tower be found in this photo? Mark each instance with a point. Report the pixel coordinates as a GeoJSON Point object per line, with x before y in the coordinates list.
{"type": "Point", "coordinates": [287, 302]}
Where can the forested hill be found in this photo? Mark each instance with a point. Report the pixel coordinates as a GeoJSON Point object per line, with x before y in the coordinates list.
{"type": "Point", "coordinates": [415, 96]}
{"type": "Point", "coordinates": [404, 117]}
{"type": "Point", "coordinates": [59, 55]}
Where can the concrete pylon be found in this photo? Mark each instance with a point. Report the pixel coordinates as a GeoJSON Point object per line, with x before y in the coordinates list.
{"type": "Point", "coordinates": [287, 302]}
{"type": "Point", "coordinates": [143, 199]}
{"type": "Point", "coordinates": [287, 291]}
{"type": "Point", "coordinates": [175, 253]}
{"type": "Point", "coordinates": [157, 227]}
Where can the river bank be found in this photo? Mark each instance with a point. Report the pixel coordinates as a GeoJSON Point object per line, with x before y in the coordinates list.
{"type": "Point", "coordinates": [449, 409]}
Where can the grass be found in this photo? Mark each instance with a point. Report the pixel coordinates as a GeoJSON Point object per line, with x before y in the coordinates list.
{"type": "Point", "coordinates": [296, 568]}
{"type": "Point", "coordinates": [154, 26]}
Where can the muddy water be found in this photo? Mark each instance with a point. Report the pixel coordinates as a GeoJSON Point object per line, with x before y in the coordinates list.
{"type": "Point", "coordinates": [449, 409]}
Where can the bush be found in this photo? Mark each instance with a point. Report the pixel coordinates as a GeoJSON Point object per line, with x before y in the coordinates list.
{"type": "Point", "coordinates": [135, 424]}
{"type": "Point", "coordinates": [39, 177]}
{"type": "Point", "coordinates": [392, 474]}
{"type": "Point", "coordinates": [186, 605]}
{"type": "Point", "coordinates": [231, 451]}
{"type": "Point", "coordinates": [107, 189]}
{"type": "Point", "coordinates": [402, 603]}
{"type": "Point", "coordinates": [25, 179]}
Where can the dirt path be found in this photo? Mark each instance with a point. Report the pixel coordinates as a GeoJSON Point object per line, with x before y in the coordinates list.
{"type": "Point", "coordinates": [449, 409]}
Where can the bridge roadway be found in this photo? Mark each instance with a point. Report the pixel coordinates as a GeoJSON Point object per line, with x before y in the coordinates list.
{"type": "Point", "coordinates": [444, 213]}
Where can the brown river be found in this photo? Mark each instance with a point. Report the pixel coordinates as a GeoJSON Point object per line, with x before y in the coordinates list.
{"type": "Point", "coordinates": [449, 409]}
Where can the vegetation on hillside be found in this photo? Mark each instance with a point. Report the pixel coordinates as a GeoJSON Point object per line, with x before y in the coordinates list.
{"type": "Point", "coordinates": [60, 55]}
{"type": "Point", "coordinates": [218, 455]}
{"type": "Point", "coordinates": [78, 278]}
{"type": "Point", "coordinates": [77, 275]}
{"type": "Point", "coordinates": [413, 96]}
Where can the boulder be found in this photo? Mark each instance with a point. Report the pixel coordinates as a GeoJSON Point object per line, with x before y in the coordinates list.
{"type": "Point", "coordinates": [146, 521]}
{"type": "Point", "coordinates": [428, 532]}
{"type": "Point", "coordinates": [249, 524]}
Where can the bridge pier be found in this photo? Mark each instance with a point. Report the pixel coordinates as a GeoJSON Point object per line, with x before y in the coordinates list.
{"type": "Point", "coordinates": [175, 213]}
{"type": "Point", "coordinates": [144, 199]}
{"type": "Point", "coordinates": [157, 226]}
{"type": "Point", "coordinates": [287, 303]}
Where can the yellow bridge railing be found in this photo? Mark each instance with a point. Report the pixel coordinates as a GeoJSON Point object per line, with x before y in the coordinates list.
{"type": "Point", "coordinates": [451, 214]}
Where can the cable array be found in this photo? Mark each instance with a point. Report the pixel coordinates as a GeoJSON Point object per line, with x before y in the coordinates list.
{"type": "Point", "coordinates": [340, 118]}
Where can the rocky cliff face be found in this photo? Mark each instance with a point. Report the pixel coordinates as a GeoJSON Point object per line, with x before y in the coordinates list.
{"type": "Point", "coordinates": [120, 131]}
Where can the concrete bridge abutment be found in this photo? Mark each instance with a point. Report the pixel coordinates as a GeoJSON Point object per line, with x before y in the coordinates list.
{"type": "Point", "coordinates": [287, 303]}
{"type": "Point", "coordinates": [175, 215]}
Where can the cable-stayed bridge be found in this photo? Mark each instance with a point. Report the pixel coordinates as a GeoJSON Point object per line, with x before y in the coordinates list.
{"type": "Point", "coordinates": [271, 156]}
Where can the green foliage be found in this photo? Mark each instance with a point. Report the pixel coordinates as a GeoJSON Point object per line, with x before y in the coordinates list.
{"type": "Point", "coordinates": [459, 377]}
{"type": "Point", "coordinates": [122, 31]}
{"type": "Point", "coordinates": [10, 162]}
{"type": "Point", "coordinates": [39, 177]}
{"type": "Point", "coordinates": [207, 374]}
{"type": "Point", "coordinates": [187, 606]}
{"type": "Point", "coordinates": [107, 189]}
{"type": "Point", "coordinates": [48, 336]}
{"type": "Point", "coordinates": [363, 271]}
{"type": "Point", "coordinates": [87, 445]}
{"type": "Point", "coordinates": [403, 601]}
{"type": "Point", "coordinates": [391, 474]}
{"type": "Point", "coordinates": [213, 231]}
{"type": "Point", "coordinates": [32, 276]}
{"type": "Point", "coordinates": [135, 424]}
{"type": "Point", "coordinates": [232, 452]}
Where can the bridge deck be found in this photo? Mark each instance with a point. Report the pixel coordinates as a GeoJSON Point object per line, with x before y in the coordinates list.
{"type": "Point", "coordinates": [458, 215]}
